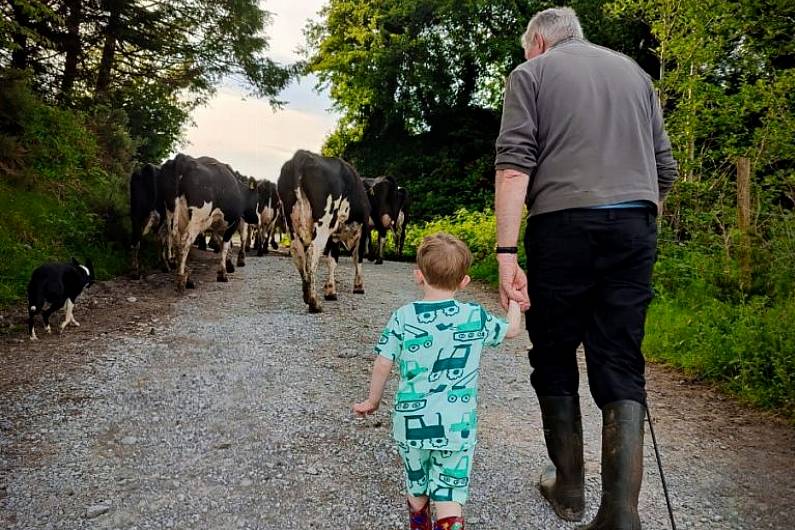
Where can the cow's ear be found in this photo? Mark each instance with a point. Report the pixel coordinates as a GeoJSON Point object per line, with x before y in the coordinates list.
{"type": "Point", "coordinates": [90, 265]}
{"type": "Point", "coordinates": [75, 262]}
{"type": "Point", "coordinates": [252, 183]}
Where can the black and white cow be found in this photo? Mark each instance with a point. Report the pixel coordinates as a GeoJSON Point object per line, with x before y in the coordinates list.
{"type": "Point", "coordinates": [144, 214]}
{"type": "Point", "coordinates": [153, 191]}
{"type": "Point", "coordinates": [382, 194]}
{"type": "Point", "coordinates": [325, 204]}
{"type": "Point", "coordinates": [270, 214]}
{"type": "Point", "coordinates": [210, 195]}
{"type": "Point", "coordinates": [402, 220]}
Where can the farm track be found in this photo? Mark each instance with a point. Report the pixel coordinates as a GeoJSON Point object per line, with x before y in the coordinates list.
{"type": "Point", "coordinates": [229, 407]}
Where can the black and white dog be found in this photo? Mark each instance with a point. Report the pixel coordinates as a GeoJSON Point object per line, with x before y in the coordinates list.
{"type": "Point", "coordinates": [57, 283]}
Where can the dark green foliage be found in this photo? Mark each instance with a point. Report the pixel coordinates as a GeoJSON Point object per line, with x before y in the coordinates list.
{"type": "Point", "coordinates": [69, 192]}
{"type": "Point", "coordinates": [420, 84]}
{"type": "Point", "coordinates": [154, 60]}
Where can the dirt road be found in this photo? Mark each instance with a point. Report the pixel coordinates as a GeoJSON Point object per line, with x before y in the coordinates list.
{"type": "Point", "coordinates": [229, 407]}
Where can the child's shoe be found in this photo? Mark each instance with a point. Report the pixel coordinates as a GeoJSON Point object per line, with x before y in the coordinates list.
{"type": "Point", "coordinates": [421, 520]}
{"type": "Point", "coordinates": [450, 523]}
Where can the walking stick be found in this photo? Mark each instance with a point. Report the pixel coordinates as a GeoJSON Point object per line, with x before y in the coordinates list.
{"type": "Point", "coordinates": [659, 465]}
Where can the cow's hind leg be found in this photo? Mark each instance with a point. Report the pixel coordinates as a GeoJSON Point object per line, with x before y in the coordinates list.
{"type": "Point", "coordinates": [226, 263]}
{"type": "Point", "coordinates": [358, 256]}
{"type": "Point", "coordinates": [313, 254]}
{"type": "Point", "coordinates": [241, 255]}
{"type": "Point", "coordinates": [332, 259]}
{"type": "Point", "coordinates": [381, 241]}
{"type": "Point", "coordinates": [188, 227]}
{"type": "Point", "coordinates": [298, 253]}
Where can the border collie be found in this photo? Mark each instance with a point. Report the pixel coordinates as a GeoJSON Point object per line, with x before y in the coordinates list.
{"type": "Point", "coordinates": [57, 283]}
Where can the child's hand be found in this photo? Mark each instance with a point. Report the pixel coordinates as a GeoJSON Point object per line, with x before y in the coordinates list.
{"type": "Point", "coordinates": [366, 407]}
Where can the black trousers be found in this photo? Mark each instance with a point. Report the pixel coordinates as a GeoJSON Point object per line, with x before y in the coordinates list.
{"type": "Point", "coordinates": [589, 280]}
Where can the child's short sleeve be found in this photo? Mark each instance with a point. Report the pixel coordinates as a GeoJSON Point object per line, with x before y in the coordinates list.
{"type": "Point", "coordinates": [391, 341]}
{"type": "Point", "coordinates": [496, 329]}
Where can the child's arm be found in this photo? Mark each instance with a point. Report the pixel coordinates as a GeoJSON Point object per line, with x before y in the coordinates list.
{"type": "Point", "coordinates": [381, 369]}
{"type": "Point", "coordinates": [514, 320]}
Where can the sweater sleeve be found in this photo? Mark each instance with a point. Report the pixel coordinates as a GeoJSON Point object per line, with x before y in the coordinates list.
{"type": "Point", "coordinates": [667, 169]}
{"type": "Point", "coordinates": [517, 145]}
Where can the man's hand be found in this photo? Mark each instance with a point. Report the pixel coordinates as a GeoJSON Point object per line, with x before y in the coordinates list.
{"type": "Point", "coordinates": [513, 282]}
{"type": "Point", "coordinates": [366, 407]}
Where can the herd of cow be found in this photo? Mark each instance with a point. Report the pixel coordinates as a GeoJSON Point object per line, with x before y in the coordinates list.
{"type": "Point", "coordinates": [321, 202]}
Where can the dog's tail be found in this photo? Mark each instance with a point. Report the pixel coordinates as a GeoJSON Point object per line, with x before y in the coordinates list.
{"type": "Point", "coordinates": [35, 296]}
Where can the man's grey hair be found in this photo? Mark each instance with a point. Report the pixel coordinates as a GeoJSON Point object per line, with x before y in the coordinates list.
{"type": "Point", "coordinates": [554, 24]}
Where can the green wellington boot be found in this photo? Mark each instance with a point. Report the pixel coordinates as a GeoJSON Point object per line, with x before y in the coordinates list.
{"type": "Point", "coordinates": [563, 483]}
{"type": "Point", "coordinates": [622, 467]}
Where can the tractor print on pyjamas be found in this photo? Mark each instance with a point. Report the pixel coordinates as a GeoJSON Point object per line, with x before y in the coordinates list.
{"type": "Point", "coordinates": [420, 337]}
{"type": "Point", "coordinates": [474, 328]}
{"type": "Point", "coordinates": [458, 476]}
{"type": "Point", "coordinates": [418, 477]}
{"type": "Point", "coordinates": [417, 431]}
{"type": "Point", "coordinates": [383, 340]}
{"type": "Point", "coordinates": [428, 311]}
{"type": "Point", "coordinates": [467, 425]}
{"type": "Point", "coordinates": [409, 400]}
{"type": "Point", "coordinates": [451, 365]}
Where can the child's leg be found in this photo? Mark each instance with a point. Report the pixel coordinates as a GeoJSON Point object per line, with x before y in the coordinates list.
{"type": "Point", "coordinates": [449, 486]}
{"type": "Point", "coordinates": [416, 463]}
{"type": "Point", "coordinates": [417, 504]}
{"type": "Point", "coordinates": [448, 509]}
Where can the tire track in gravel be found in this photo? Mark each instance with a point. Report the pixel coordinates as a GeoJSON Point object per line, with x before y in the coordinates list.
{"type": "Point", "coordinates": [236, 414]}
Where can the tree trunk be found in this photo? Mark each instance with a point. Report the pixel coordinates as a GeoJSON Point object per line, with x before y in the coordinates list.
{"type": "Point", "coordinates": [109, 49]}
{"type": "Point", "coordinates": [72, 46]}
{"type": "Point", "coordinates": [744, 220]}
{"type": "Point", "coordinates": [20, 55]}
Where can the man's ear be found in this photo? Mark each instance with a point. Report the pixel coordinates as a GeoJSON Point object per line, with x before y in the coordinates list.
{"type": "Point", "coordinates": [540, 43]}
{"type": "Point", "coordinates": [419, 277]}
{"type": "Point", "coordinates": [464, 282]}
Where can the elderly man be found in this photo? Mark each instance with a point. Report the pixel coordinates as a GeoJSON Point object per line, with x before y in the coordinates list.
{"type": "Point", "coordinates": [582, 143]}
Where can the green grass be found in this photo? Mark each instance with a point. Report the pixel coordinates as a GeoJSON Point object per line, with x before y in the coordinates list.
{"type": "Point", "coordinates": [36, 228]}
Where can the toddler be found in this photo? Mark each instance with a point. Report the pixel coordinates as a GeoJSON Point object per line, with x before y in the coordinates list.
{"type": "Point", "coordinates": [437, 342]}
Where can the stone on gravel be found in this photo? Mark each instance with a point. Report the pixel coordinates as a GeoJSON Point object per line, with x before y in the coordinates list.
{"type": "Point", "coordinates": [97, 510]}
{"type": "Point", "coordinates": [129, 440]}
{"type": "Point", "coordinates": [132, 299]}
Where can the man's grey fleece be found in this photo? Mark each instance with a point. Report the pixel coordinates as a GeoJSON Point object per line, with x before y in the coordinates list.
{"type": "Point", "coordinates": [585, 123]}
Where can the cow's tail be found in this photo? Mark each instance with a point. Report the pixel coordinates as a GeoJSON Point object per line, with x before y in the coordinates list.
{"type": "Point", "coordinates": [364, 242]}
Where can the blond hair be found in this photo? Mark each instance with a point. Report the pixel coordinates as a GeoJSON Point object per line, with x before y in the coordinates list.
{"type": "Point", "coordinates": [444, 260]}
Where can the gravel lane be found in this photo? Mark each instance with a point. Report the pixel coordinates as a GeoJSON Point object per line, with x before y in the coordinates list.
{"type": "Point", "coordinates": [234, 412]}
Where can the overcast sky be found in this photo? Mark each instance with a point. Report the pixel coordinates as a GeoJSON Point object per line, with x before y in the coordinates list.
{"type": "Point", "coordinates": [243, 131]}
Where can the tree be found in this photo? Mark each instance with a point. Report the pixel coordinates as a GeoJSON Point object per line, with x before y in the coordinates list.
{"type": "Point", "coordinates": [419, 84]}
{"type": "Point", "coordinates": [87, 52]}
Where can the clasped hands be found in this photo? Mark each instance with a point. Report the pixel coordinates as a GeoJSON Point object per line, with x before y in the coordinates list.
{"type": "Point", "coordinates": [513, 282]}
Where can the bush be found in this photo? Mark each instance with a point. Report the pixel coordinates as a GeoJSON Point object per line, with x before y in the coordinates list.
{"type": "Point", "coordinates": [69, 189]}
{"type": "Point", "coordinates": [477, 229]}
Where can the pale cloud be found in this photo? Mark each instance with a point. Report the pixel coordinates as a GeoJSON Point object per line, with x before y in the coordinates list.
{"type": "Point", "coordinates": [244, 131]}
{"type": "Point", "coordinates": [289, 19]}
{"type": "Point", "coordinates": [251, 137]}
